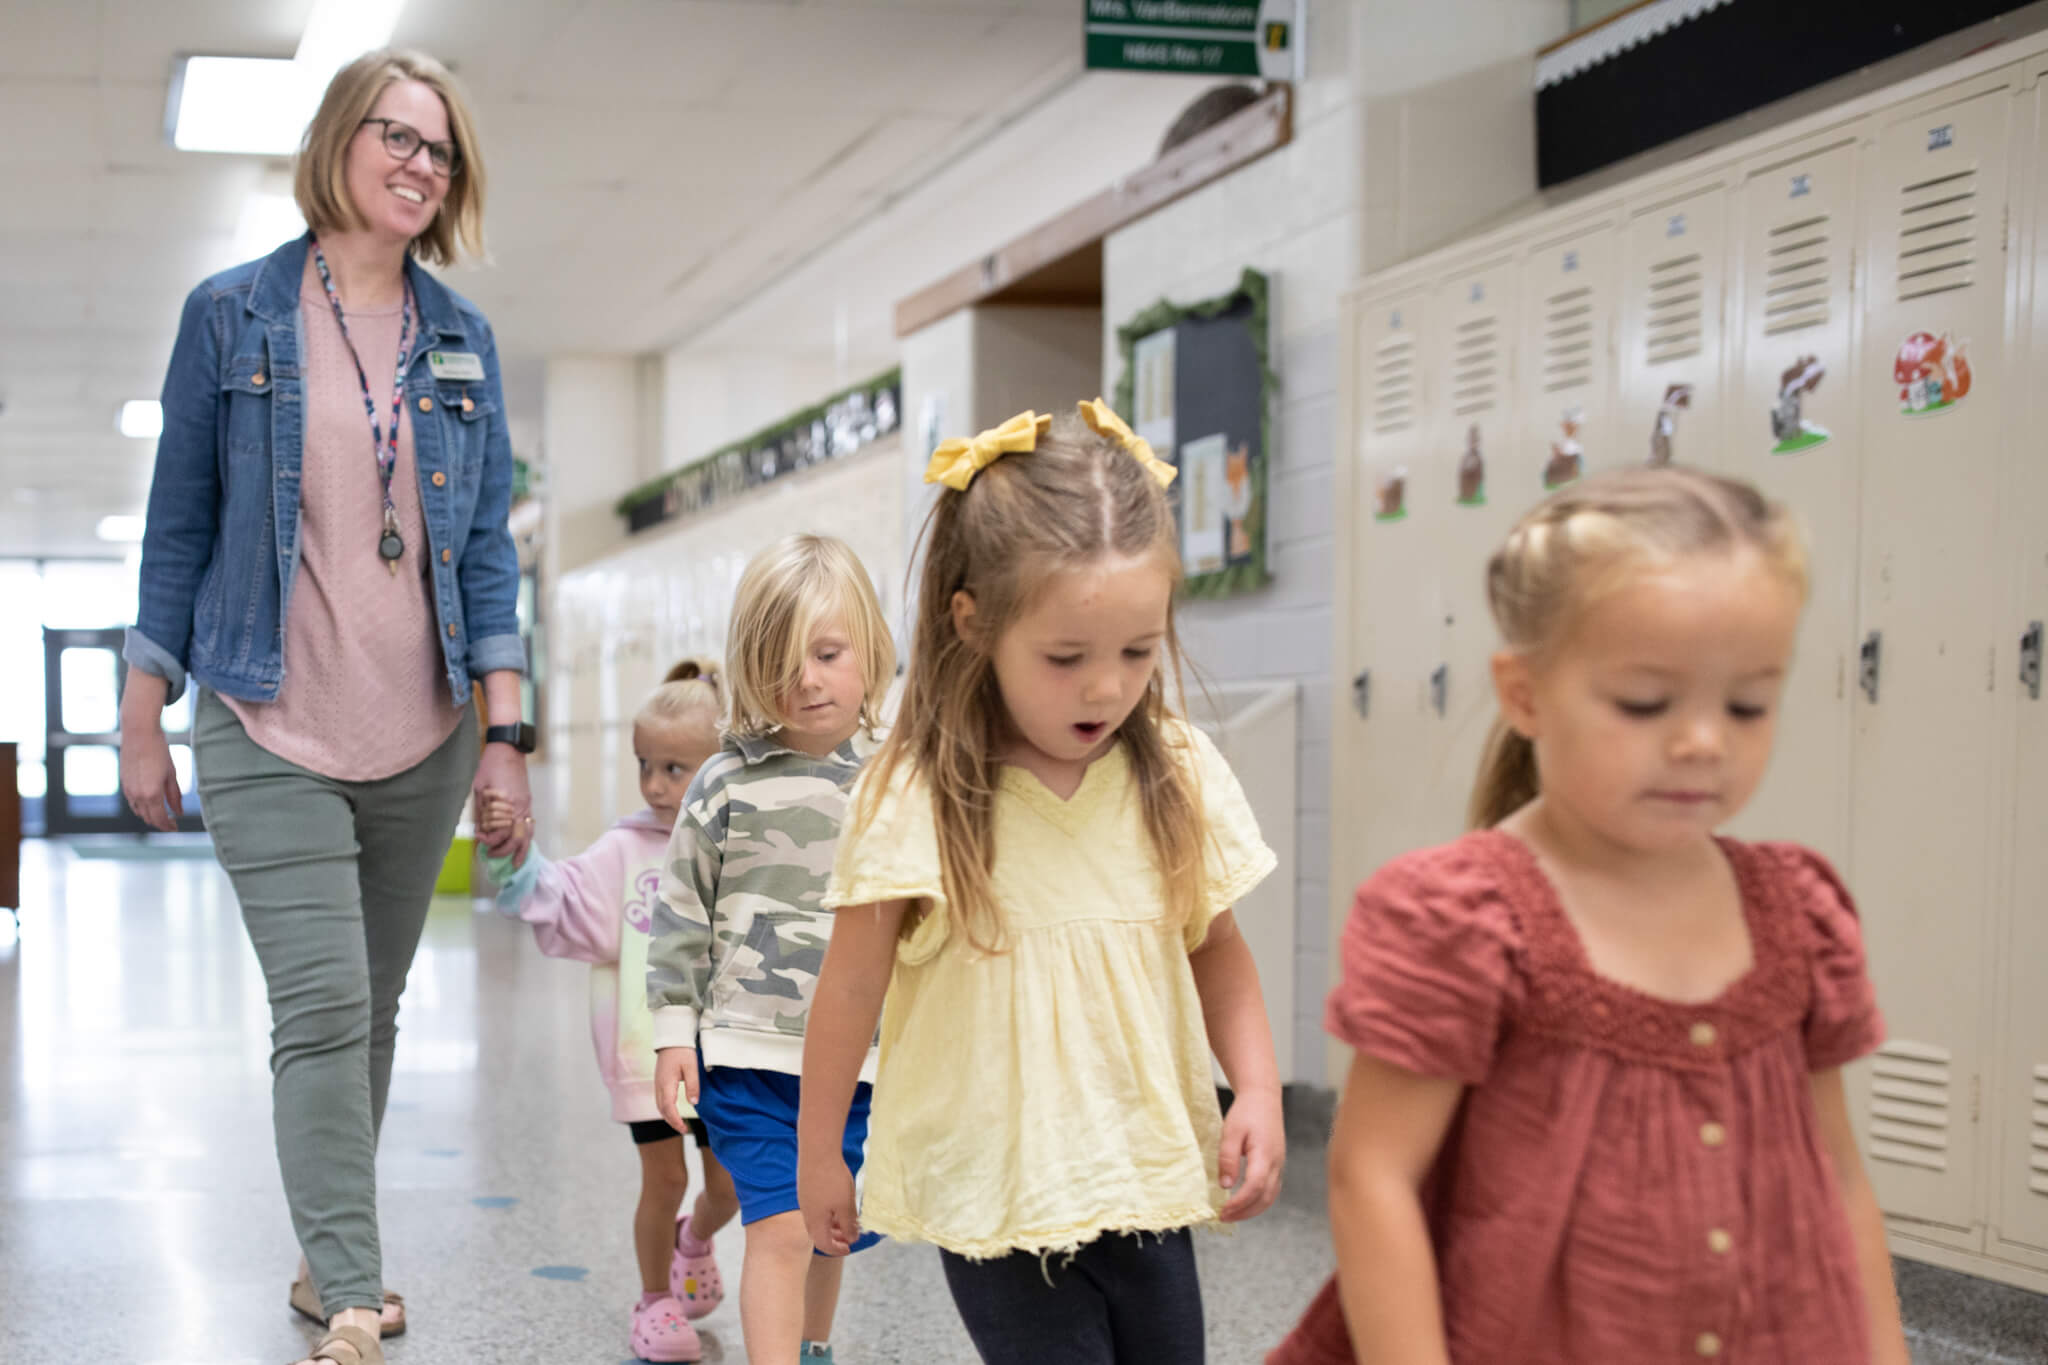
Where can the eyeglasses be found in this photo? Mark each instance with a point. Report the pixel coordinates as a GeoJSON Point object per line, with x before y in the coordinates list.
{"type": "Point", "coordinates": [403, 142]}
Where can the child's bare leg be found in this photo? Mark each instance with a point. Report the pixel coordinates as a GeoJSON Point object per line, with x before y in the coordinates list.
{"type": "Point", "coordinates": [821, 1296]}
{"type": "Point", "coordinates": [773, 1287]}
{"type": "Point", "coordinates": [664, 1180]}
{"type": "Point", "coordinates": [717, 1203]}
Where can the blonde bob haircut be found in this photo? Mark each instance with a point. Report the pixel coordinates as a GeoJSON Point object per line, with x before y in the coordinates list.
{"type": "Point", "coordinates": [320, 185]}
{"type": "Point", "coordinates": [791, 591]}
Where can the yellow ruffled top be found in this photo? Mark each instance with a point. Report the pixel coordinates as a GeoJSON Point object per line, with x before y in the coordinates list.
{"type": "Point", "coordinates": [1035, 1099]}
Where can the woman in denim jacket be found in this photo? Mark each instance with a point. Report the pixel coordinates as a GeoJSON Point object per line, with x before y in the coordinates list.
{"type": "Point", "coordinates": [327, 556]}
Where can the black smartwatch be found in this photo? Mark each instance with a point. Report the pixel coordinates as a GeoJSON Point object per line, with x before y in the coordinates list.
{"type": "Point", "coordinates": [520, 736]}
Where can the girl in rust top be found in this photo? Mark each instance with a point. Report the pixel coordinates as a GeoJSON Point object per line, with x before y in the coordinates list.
{"type": "Point", "coordinates": [1597, 1113]}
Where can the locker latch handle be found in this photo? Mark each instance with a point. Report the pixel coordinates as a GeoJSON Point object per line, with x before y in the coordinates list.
{"type": "Point", "coordinates": [1440, 688]}
{"type": "Point", "coordinates": [1867, 669]}
{"type": "Point", "coordinates": [1361, 692]}
{"type": "Point", "coordinates": [2030, 660]}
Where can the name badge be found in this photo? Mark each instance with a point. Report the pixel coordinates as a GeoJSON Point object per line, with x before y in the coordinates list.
{"type": "Point", "coordinates": [455, 365]}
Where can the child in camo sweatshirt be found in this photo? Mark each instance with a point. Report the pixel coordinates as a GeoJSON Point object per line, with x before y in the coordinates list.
{"type": "Point", "coordinates": [740, 934]}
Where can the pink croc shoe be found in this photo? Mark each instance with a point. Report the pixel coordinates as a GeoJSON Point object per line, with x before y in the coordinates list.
{"type": "Point", "coordinates": [693, 1276]}
{"type": "Point", "coordinates": [662, 1333]}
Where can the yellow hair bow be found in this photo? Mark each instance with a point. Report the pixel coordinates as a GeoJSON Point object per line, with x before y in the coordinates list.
{"type": "Point", "coordinates": [956, 462]}
{"type": "Point", "coordinates": [1104, 420]}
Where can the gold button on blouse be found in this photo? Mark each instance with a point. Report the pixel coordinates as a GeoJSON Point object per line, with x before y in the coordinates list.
{"type": "Point", "coordinates": [447, 555]}
{"type": "Point", "coordinates": [1704, 1034]}
{"type": "Point", "coordinates": [257, 378]}
{"type": "Point", "coordinates": [468, 404]}
{"type": "Point", "coordinates": [440, 479]}
{"type": "Point", "coordinates": [426, 405]}
{"type": "Point", "coordinates": [1719, 1242]}
{"type": "Point", "coordinates": [451, 632]}
{"type": "Point", "coordinates": [1708, 1344]}
{"type": "Point", "coordinates": [1713, 1134]}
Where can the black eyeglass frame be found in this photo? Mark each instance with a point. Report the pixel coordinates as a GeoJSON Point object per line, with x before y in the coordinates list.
{"type": "Point", "coordinates": [454, 152]}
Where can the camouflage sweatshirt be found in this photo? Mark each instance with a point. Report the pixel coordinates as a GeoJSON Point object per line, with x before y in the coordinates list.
{"type": "Point", "coordinates": [740, 932]}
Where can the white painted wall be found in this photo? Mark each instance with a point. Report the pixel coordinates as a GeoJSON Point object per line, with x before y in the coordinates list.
{"type": "Point", "coordinates": [593, 450]}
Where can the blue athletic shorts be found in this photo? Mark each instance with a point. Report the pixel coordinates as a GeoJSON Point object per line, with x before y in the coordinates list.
{"type": "Point", "coordinates": [752, 1119]}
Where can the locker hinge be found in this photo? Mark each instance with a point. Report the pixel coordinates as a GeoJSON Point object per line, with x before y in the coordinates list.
{"type": "Point", "coordinates": [2030, 660]}
{"type": "Point", "coordinates": [1361, 693]}
{"type": "Point", "coordinates": [1440, 689]}
{"type": "Point", "coordinates": [1867, 668]}
{"type": "Point", "coordinates": [1976, 1097]}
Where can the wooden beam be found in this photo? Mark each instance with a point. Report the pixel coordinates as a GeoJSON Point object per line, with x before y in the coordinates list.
{"type": "Point", "coordinates": [1242, 138]}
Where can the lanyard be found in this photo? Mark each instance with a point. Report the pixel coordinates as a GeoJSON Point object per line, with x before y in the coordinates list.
{"type": "Point", "coordinates": [390, 545]}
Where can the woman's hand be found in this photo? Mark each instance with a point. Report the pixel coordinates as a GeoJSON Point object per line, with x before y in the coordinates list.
{"type": "Point", "coordinates": [149, 781]}
{"type": "Point", "coordinates": [501, 781]}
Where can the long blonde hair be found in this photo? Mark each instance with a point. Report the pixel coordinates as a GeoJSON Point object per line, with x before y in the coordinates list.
{"type": "Point", "coordinates": [1077, 498]}
{"type": "Point", "coordinates": [320, 182]}
{"type": "Point", "coordinates": [694, 688]}
{"type": "Point", "coordinates": [788, 593]}
{"type": "Point", "coordinates": [1590, 538]}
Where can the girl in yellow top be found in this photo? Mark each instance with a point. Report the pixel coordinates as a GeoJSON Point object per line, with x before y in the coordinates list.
{"type": "Point", "coordinates": [1037, 869]}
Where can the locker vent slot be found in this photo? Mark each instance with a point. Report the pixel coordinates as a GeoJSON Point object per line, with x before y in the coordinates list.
{"type": "Point", "coordinates": [1675, 310]}
{"type": "Point", "coordinates": [2037, 1153]}
{"type": "Point", "coordinates": [1909, 1105]}
{"type": "Point", "coordinates": [1568, 339]}
{"type": "Point", "coordinates": [1938, 235]}
{"type": "Point", "coordinates": [1796, 276]}
{"type": "Point", "coordinates": [1393, 386]}
{"type": "Point", "coordinates": [1476, 366]}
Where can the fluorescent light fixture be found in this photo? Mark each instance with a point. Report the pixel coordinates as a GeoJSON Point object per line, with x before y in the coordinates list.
{"type": "Point", "coordinates": [143, 418]}
{"type": "Point", "coordinates": [339, 31]}
{"type": "Point", "coordinates": [253, 105]}
{"type": "Point", "coordinates": [121, 529]}
{"type": "Point", "coordinates": [261, 105]}
{"type": "Point", "coordinates": [268, 219]}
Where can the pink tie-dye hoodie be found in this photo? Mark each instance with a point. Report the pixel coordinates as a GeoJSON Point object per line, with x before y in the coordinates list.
{"type": "Point", "coordinates": [596, 908]}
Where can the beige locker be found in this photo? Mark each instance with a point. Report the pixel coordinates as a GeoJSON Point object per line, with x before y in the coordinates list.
{"type": "Point", "coordinates": [1927, 742]}
{"type": "Point", "coordinates": [1392, 590]}
{"type": "Point", "coordinates": [1790, 428]}
{"type": "Point", "coordinates": [1672, 301]}
{"type": "Point", "coordinates": [1567, 362]}
{"type": "Point", "coordinates": [1473, 447]}
{"type": "Point", "coordinates": [2020, 1082]}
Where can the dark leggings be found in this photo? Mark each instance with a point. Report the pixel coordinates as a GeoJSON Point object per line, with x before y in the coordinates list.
{"type": "Point", "coordinates": [1123, 1300]}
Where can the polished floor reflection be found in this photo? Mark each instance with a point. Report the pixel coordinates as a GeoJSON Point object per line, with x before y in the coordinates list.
{"type": "Point", "coordinates": [141, 1217]}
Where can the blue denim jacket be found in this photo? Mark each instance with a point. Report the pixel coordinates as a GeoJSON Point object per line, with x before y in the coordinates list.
{"type": "Point", "coordinates": [220, 549]}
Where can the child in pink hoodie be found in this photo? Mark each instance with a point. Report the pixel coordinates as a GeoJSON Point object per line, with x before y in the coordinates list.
{"type": "Point", "coordinates": [595, 908]}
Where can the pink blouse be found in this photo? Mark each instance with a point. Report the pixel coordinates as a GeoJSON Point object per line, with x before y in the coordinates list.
{"type": "Point", "coordinates": [1628, 1178]}
{"type": "Point", "coordinates": [365, 695]}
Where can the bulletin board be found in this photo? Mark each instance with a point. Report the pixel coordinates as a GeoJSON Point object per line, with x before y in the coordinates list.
{"type": "Point", "coordinates": [1196, 385]}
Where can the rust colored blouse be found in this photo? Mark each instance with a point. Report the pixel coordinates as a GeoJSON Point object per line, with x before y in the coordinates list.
{"type": "Point", "coordinates": [1628, 1179]}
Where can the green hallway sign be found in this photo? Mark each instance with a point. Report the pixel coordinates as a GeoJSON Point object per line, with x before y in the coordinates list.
{"type": "Point", "coordinates": [1257, 38]}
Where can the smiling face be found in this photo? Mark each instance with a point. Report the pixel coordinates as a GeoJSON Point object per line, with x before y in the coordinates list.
{"type": "Point", "coordinates": [397, 200]}
{"type": "Point", "coordinates": [1073, 667]}
{"type": "Point", "coordinates": [1653, 719]}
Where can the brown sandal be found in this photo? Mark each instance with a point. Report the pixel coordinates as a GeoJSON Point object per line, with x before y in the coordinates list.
{"type": "Point", "coordinates": [305, 1301]}
{"type": "Point", "coordinates": [348, 1346]}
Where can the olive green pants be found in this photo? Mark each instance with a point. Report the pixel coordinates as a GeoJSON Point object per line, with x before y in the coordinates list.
{"type": "Point", "coordinates": [334, 879]}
